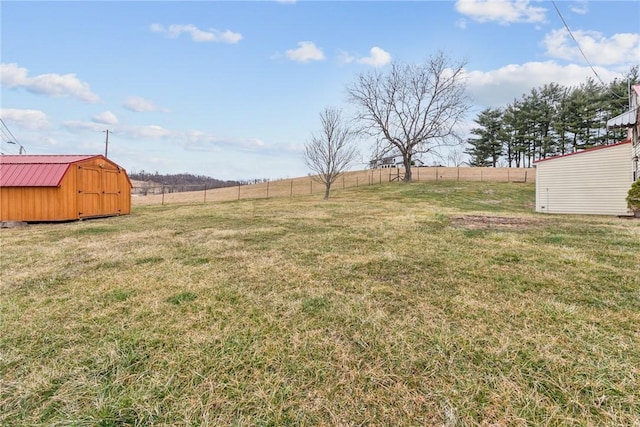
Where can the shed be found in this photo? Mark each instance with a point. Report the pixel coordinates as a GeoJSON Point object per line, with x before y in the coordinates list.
{"type": "Point", "coordinates": [62, 188]}
{"type": "Point", "coordinates": [592, 181]}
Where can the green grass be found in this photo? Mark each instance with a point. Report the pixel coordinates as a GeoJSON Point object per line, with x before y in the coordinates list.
{"type": "Point", "coordinates": [425, 304]}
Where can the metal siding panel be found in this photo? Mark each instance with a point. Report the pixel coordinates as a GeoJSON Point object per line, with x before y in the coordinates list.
{"type": "Point", "coordinates": [593, 183]}
{"type": "Point", "coordinates": [32, 175]}
{"type": "Point", "coordinates": [623, 120]}
{"type": "Point", "coordinates": [36, 171]}
{"type": "Point", "coordinates": [45, 159]}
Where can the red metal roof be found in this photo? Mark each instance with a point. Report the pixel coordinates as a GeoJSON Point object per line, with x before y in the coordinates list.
{"type": "Point", "coordinates": [36, 171]}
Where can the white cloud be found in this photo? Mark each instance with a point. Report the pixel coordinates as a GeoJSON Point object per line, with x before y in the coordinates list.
{"type": "Point", "coordinates": [501, 86]}
{"type": "Point", "coordinates": [581, 7]}
{"type": "Point", "coordinates": [623, 48]}
{"type": "Point", "coordinates": [145, 132]}
{"type": "Point", "coordinates": [25, 119]}
{"type": "Point", "coordinates": [345, 57]}
{"type": "Point", "coordinates": [502, 11]}
{"type": "Point", "coordinates": [107, 118]}
{"type": "Point", "coordinates": [197, 35]}
{"type": "Point", "coordinates": [139, 105]}
{"type": "Point", "coordinates": [13, 76]}
{"type": "Point", "coordinates": [307, 51]}
{"type": "Point", "coordinates": [138, 132]}
{"type": "Point", "coordinates": [377, 58]}
{"type": "Point", "coordinates": [56, 85]}
{"type": "Point", "coordinates": [196, 140]}
{"type": "Point", "coordinates": [192, 140]}
{"type": "Point", "coordinates": [82, 126]}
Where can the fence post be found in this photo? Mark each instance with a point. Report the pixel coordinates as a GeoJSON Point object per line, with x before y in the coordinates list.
{"type": "Point", "coordinates": [343, 182]}
{"type": "Point", "coordinates": [418, 174]}
{"type": "Point", "coordinates": [267, 189]}
{"type": "Point", "coordinates": [205, 193]}
{"type": "Point", "coordinates": [525, 176]}
{"type": "Point", "coordinates": [436, 173]}
{"type": "Point", "coordinates": [291, 191]}
{"type": "Point", "coordinates": [481, 178]}
{"type": "Point", "coordinates": [508, 177]}
{"type": "Point", "coordinates": [458, 173]}
{"type": "Point", "coordinates": [162, 194]}
{"type": "Point", "coordinates": [239, 185]}
{"type": "Point", "coordinates": [310, 186]}
{"type": "Point", "coordinates": [356, 182]}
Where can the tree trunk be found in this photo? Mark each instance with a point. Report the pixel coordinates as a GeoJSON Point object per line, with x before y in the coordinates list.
{"type": "Point", "coordinates": [407, 168]}
{"type": "Point", "coordinates": [326, 191]}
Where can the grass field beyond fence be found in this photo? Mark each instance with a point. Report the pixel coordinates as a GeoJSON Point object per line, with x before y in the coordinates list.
{"type": "Point", "coordinates": [146, 194]}
{"type": "Point", "coordinates": [437, 303]}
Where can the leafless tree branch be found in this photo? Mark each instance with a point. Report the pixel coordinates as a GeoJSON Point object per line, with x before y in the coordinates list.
{"type": "Point", "coordinates": [330, 152]}
{"type": "Point", "coordinates": [414, 108]}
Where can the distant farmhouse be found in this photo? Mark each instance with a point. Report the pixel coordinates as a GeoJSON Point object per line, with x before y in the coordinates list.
{"type": "Point", "coordinates": [596, 180]}
{"type": "Point", "coordinates": [392, 162]}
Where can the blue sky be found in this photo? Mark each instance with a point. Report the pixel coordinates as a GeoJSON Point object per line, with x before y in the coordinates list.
{"type": "Point", "coordinates": [233, 89]}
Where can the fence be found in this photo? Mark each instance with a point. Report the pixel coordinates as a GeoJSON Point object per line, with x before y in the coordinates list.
{"type": "Point", "coordinates": [165, 194]}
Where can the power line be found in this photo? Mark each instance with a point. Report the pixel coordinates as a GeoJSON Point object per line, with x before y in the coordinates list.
{"type": "Point", "coordinates": [4, 135]}
{"type": "Point", "coordinates": [9, 138]}
{"type": "Point", "coordinates": [576, 41]}
{"type": "Point", "coordinates": [4, 126]}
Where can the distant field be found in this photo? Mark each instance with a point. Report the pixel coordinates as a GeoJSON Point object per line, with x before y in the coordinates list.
{"type": "Point", "coordinates": [436, 303]}
{"type": "Point", "coordinates": [304, 186]}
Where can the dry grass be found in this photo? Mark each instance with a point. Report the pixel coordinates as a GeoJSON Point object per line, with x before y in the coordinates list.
{"type": "Point", "coordinates": [424, 304]}
{"type": "Point", "coordinates": [305, 186]}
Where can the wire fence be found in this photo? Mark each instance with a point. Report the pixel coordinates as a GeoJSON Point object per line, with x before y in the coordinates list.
{"type": "Point", "coordinates": [153, 194]}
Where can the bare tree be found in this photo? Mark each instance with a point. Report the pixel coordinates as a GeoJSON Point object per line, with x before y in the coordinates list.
{"type": "Point", "coordinates": [330, 152]}
{"type": "Point", "coordinates": [455, 157]}
{"type": "Point", "coordinates": [413, 108]}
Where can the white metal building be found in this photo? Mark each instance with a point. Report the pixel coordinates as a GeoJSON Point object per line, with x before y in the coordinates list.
{"type": "Point", "coordinates": [593, 181]}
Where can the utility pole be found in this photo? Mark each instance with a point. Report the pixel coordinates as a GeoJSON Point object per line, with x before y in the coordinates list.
{"type": "Point", "coordinates": [106, 143]}
{"type": "Point", "coordinates": [22, 150]}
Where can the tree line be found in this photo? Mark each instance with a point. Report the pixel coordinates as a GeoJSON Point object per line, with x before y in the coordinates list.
{"type": "Point", "coordinates": [182, 181]}
{"type": "Point", "coordinates": [550, 120]}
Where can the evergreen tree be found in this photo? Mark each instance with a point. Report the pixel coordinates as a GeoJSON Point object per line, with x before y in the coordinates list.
{"type": "Point", "coordinates": [486, 148]}
{"type": "Point", "coordinates": [560, 121]}
{"type": "Point", "coordinates": [514, 129]}
{"type": "Point", "coordinates": [550, 99]}
{"type": "Point", "coordinates": [549, 120]}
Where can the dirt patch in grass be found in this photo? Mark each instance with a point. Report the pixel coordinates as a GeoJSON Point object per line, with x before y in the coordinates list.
{"type": "Point", "coordinates": [483, 222]}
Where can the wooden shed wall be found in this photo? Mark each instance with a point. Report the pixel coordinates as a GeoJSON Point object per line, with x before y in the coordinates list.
{"type": "Point", "coordinates": [34, 204]}
{"type": "Point", "coordinates": [593, 182]}
{"type": "Point", "coordinates": [92, 188]}
{"type": "Point", "coordinates": [103, 189]}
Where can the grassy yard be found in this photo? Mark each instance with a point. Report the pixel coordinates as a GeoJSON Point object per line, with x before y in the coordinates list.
{"type": "Point", "coordinates": [424, 304]}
